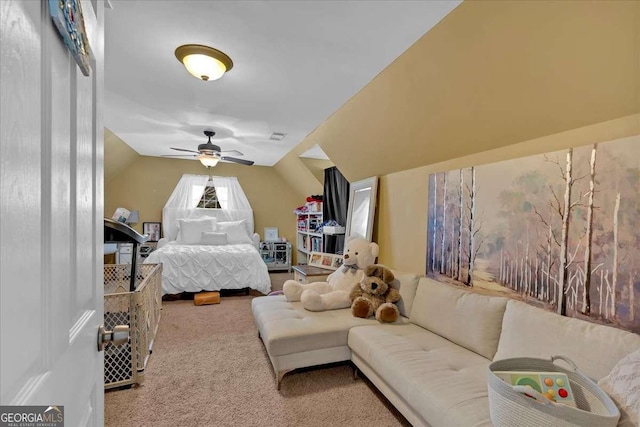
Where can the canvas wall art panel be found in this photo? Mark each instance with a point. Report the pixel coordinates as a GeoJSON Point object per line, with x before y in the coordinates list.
{"type": "Point", "coordinates": [559, 230]}
{"type": "Point", "coordinates": [68, 18]}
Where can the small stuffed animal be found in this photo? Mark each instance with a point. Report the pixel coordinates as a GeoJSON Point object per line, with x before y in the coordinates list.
{"type": "Point", "coordinates": [334, 293]}
{"type": "Point", "coordinates": [374, 294]}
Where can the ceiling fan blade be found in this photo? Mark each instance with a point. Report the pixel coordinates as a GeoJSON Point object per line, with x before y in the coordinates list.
{"type": "Point", "coordinates": [179, 155]}
{"type": "Point", "coordinates": [183, 149]}
{"type": "Point", "coordinates": [232, 152]}
{"type": "Point", "coordinates": [240, 161]}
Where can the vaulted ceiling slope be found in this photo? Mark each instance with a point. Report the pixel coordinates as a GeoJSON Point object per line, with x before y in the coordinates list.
{"type": "Point", "coordinates": [295, 63]}
{"type": "Point", "coordinates": [491, 74]}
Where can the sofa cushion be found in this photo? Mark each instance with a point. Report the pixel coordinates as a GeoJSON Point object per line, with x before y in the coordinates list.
{"type": "Point", "coordinates": [406, 283]}
{"type": "Point", "coordinates": [529, 331]}
{"type": "Point", "coordinates": [466, 318]}
{"type": "Point", "coordinates": [286, 327]}
{"type": "Point", "coordinates": [441, 381]}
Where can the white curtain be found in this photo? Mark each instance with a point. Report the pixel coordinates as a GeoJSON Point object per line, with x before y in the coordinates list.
{"type": "Point", "coordinates": [185, 197]}
{"type": "Point", "coordinates": [184, 200]}
{"type": "Point", "coordinates": [230, 194]}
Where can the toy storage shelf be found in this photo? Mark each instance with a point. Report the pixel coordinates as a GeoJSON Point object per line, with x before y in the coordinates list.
{"type": "Point", "coordinates": [307, 240]}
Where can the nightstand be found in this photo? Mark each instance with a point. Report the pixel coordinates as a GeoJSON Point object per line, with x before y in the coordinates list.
{"type": "Point", "coordinates": [277, 255]}
{"type": "Point", "coordinates": [146, 248]}
{"type": "Point", "coordinates": [125, 252]}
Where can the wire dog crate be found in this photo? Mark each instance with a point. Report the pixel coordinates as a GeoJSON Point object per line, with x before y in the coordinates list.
{"type": "Point", "coordinates": [140, 310]}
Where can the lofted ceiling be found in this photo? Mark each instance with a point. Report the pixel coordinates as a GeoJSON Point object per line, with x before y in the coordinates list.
{"type": "Point", "coordinates": [295, 64]}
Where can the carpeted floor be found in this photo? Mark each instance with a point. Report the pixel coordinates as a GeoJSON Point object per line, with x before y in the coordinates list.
{"type": "Point", "coordinates": [278, 279]}
{"type": "Point", "coordinates": [209, 368]}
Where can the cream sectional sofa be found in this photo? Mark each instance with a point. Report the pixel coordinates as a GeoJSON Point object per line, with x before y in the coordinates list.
{"type": "Point", "coordinates": [432, 363]}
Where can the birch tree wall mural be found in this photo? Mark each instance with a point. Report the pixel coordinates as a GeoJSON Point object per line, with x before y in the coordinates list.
{"type": "Point", "coordinates": [559, 230]}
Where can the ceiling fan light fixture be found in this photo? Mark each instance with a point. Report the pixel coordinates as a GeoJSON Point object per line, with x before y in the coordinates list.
{"type": "Point", "coordinates": [204, 62]}
{"type": "Point", "coordinates": [208, 160]}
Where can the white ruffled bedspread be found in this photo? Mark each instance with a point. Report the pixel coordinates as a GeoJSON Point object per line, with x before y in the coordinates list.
{"type": "Point", "coordinates": [194, 268]}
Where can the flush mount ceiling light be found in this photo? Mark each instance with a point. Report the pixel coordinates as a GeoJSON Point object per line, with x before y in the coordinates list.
{"type": "Point", "coordinates": [204, 62]}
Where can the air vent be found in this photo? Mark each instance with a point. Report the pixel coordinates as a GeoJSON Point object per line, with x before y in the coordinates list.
{"type": "Point", "coordinates": [277, 136]}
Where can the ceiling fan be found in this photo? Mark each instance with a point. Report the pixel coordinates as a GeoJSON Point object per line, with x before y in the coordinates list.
{"type": "Point", "coordinates": [210, 154]}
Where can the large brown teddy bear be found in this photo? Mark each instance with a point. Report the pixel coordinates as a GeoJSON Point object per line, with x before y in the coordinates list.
{"type": "Point", "coordinates": [374, 294]}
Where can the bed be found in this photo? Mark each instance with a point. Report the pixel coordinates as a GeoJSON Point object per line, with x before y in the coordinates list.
{"type": "Point", "coordinates": [206, 254]}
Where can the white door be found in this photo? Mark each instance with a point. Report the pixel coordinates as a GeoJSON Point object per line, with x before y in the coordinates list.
{"type": "Point", "coordinates": [51, 210]}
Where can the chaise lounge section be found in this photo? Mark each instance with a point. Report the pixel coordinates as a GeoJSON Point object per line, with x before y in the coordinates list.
{"type": "Point", "coordinates": [432, 364]}
{"type": "Point", "coordinates": [297, 338]}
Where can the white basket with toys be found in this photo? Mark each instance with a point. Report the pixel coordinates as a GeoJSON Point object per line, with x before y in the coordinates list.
{"type": "Point", "coordinates": [534, 392]}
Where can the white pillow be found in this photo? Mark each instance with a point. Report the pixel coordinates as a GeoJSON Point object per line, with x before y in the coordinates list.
{"type": "Point", "coordinates": [623, 385]}
{"type": "Point", "coordinates": [244, 222]}
{"type": "Point", "coordinates": [236, 231]}
{"type": "Point", "coordinates": [191, 230]}
{"type": "Point", "coordinates": [213, 238]}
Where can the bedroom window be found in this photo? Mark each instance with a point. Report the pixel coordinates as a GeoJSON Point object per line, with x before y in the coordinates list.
{"type": "Point", "coordinates": [199, 191]}
{"type": "Point", "coordinates": [209, 198]}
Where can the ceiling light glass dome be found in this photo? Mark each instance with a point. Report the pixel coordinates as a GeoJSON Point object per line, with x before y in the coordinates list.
{"type": "Point", "coordinates": [204, 62]}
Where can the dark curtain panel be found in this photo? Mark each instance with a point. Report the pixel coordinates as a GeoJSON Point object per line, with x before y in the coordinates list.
{"type": "Point", "coordinates": [334, 206]}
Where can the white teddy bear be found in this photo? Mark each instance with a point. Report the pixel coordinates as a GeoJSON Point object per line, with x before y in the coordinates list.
{"type": "Point", "coordinates": [334, 293]}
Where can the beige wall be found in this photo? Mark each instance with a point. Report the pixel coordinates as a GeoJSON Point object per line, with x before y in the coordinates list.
{"type": "Point", "coordinates": [148, 182]}
{"type": "Point", "coordinates": [317, 167]}
{"type": "Point", "coordinates": [401, 219]}
{"type": "Point", "coordinates": [295, 172]}
{"type": "Point", "coordinates": [115, 148]}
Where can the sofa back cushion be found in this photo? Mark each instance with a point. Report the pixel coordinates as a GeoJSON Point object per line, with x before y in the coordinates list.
{"type": "Point", "coordinates": [470, 320]}
{"type": "Point", "coordinates": [406, 283]}
{"type": "Point", "coordinates": [529, 331]}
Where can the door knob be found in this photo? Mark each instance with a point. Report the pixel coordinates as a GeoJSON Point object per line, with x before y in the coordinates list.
{"type": "Point", "coordinates": [119, 336]}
